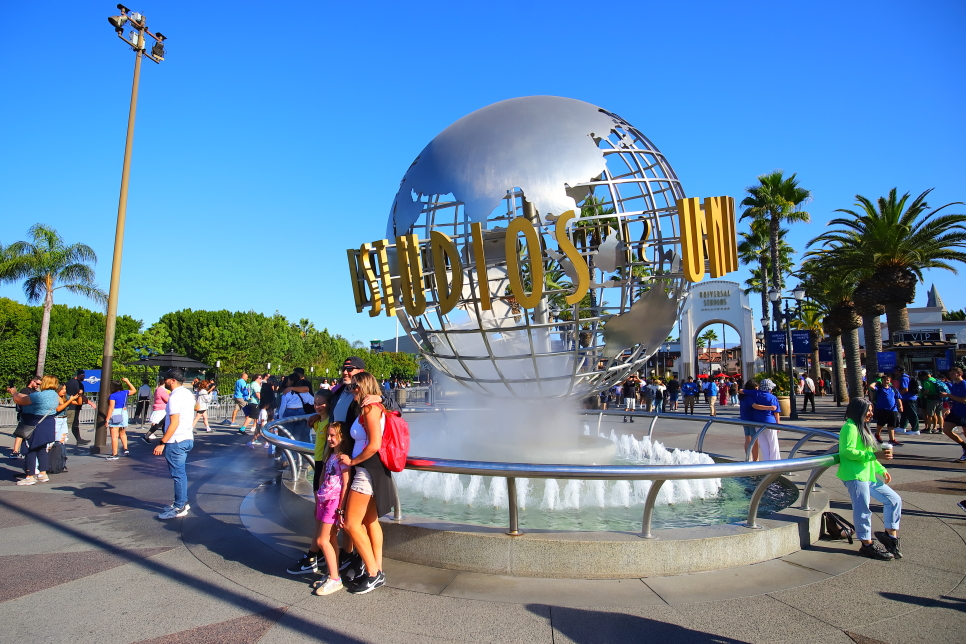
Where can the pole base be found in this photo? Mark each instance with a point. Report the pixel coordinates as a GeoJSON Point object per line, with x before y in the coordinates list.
{"type": "Point", "coordinates": [98, 449]}
{"type": "Point", "coordinates": [514, 533]}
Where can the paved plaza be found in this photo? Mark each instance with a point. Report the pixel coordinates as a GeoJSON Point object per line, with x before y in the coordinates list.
{"type": "Point", "coordinates": [85, 559]}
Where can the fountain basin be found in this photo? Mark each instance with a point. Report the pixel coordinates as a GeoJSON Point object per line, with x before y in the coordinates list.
{"type": "Point", "coordinates": [582, 555]}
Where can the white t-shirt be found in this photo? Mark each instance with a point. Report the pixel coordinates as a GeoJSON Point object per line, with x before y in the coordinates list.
{"type": "Point", "coordinates": [181, 402]}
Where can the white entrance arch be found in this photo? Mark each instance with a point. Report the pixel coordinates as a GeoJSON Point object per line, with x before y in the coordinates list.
{"type": "Point", "coordinates": [711, 302]}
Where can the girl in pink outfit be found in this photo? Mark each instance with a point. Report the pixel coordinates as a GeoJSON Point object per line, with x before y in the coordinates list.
{"type": "Point", "coordinates": [329, 507]}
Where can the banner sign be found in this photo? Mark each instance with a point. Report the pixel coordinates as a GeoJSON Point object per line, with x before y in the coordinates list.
{"type": "Point", "coordinates": [943, 364]}
{"type": "Point", "coordinates": [933, 335]}
{"type": "Point", "coordinates": [826, 353]}
{"type": "Point", "coordinates": [802, 341]}
{"type": "Point", "coordinates": [801, 362]}
{"type": "Point", "coordinates": [92, 379]}
{"type": "Point", "coordinates": [887, 360]}
{"type": "Point", "coordinates": [776, 342]}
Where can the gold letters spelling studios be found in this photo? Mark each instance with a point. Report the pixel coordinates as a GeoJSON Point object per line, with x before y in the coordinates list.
{"type": "Point", "coordinates": [708, 244]}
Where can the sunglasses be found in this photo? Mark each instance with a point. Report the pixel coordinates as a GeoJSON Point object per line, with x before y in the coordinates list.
{"type": "Point", "coordinates": [350, 369]}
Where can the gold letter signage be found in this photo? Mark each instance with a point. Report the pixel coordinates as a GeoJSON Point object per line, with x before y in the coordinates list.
{"type": "Point", "coordinates": [708, 244]}
{"type": "Point", "coordinates": [712, 227]}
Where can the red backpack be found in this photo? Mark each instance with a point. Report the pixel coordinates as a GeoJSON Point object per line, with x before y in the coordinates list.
{"type": "Point", "coordinates": [395, 441]}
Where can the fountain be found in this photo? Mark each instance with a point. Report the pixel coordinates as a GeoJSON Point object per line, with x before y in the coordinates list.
{"type": "Point", "coordinates": [537, 252]}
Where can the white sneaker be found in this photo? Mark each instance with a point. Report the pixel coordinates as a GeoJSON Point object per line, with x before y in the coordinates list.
{"type": "Point", "coordinates": [330, 586]}
{"type": "Point", "coordinates": [187, 506]}
{"type": "Point", "coordinates": [915, 433]}
{"type": "Point", "coordinates": [174, 513]}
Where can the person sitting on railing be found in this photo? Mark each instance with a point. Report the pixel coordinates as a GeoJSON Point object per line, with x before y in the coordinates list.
{"type": "Point", "coordinates": [860, 470]}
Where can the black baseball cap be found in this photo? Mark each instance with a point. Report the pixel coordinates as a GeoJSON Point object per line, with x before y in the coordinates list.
{"type": "Point", "coordinates": [353, 362]}
{"type": "Point", "coordinates": [175, 374]}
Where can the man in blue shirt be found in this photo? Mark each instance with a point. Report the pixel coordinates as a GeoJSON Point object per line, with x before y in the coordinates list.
{"type": "Point", "coordinates": [888, 407]}
{"type": "Point", "coordinates": [909, 388]}
{"type": "Point", "coordinates": [711, 394]}
{"type": "Point", "coordinates": [957, 415]}
{"type": "Point", "coordinates": [689, 390]}
{"type": "Point", "coordinates": [241, 397]}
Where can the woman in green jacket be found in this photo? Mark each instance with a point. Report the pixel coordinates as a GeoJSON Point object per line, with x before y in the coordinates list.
{"type": "Point", "coordinates": [860, 469]}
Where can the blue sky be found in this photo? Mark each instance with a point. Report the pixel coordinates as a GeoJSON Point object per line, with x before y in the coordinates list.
{"type": "Point", "coordinates": [274, 136]}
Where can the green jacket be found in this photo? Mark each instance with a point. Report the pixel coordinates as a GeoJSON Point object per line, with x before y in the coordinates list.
{"type": "Point", "coordinates": [858, 462]}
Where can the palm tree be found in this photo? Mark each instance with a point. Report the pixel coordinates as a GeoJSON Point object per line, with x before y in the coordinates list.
{"type": "Point", "coordinates": [774, 200]}
{"type": "Point", "coordinates": [45, 265]}
{"type": "Point", "coordinates": [895, 242]}
{"type": "Point", "coordinates": [832, 290]}
{"type": "Point", "coordinates": [871, 311]}
{"type": "Point", "coordinates": [811, 320]}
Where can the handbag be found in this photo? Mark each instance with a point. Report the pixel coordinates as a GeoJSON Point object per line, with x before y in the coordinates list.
{"type": "Point", "coordinates": [307, 408]}
{"type": "Point", "coordinates": [25, 431]}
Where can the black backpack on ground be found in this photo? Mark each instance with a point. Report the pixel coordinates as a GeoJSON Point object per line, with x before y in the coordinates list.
{"type": "Point", "coordinates": [58, 458]}
{"type": "Point", "coordinates": [834, 526]}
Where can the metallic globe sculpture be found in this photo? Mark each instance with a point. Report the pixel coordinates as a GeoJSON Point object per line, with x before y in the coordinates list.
{"type": "Point", "coordinates": [539, 249]}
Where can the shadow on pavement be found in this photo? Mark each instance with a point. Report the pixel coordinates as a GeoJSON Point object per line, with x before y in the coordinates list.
{"type": "Point", "coordinates": [602, 627]}
{"type": "Point", "coordinates": [253, 605]}
{"type": "Point", "coordinates": [944, 601]}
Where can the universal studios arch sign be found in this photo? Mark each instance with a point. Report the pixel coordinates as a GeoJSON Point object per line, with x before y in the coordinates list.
{"type": "Point", "coordinates": [386, 276]}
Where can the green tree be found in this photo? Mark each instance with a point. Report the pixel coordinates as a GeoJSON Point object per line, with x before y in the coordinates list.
{"type": "Point", "coordinates": [895, 241]}
{"type": "Point", "coordinates": [811, 320]}
{"type": "Point", "coordinates": [46, 264]}
{"type": "Point", "coordinates": [832, 291]}
{"type": "Point", "coordinates": [774, 200]}
{"type": "Point", "coordinates": [755, 247]}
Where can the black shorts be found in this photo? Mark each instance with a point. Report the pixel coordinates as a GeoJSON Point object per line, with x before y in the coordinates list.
{"type": "Point", "coordinates": [955, 421]}
{"type": "Point", "coordinates": [886, 418]}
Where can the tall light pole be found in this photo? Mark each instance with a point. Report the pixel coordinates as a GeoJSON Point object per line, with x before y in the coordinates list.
{"type": "Point", "coordinates": [136, 40]}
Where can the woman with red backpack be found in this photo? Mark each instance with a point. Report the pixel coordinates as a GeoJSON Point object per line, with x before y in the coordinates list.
{"type": "Point", "coordinates": [371, 490]}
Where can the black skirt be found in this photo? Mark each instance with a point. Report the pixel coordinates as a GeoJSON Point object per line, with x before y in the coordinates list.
{"type": "Point", "coordinates": [383, 487]}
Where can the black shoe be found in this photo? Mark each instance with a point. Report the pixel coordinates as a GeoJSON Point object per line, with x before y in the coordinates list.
{"type": "Point", "coordinates": [876, 551]}
{"type": "Point", "coordinates": [891, 543]}
{"type": "Point", "coordinates": [962, 505]}
{"type": "Point", "coordinates": [345, 559]}
{"type": "Point", "coordinates": [356, 568]}
{"type": "Point", "coordinates": [308, 563]}
{"type": "Point", "coordinates": [362, 585]}
{"type": "Point", "coordinates": [83, 441]}
{"type": "Point", "coordinates": [380, 579]}
{"type": "Point", "coordinates": [145, 438]}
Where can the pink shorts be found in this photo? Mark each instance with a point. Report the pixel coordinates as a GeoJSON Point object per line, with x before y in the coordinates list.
{"type": "Point", "coordinates": [325, 510]}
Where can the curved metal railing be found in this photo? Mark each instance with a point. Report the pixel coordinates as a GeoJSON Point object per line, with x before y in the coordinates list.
{"type": "Point", "coordinates": [770, 470]}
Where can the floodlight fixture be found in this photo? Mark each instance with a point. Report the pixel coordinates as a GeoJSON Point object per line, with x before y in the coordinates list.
{"type": "Point", "coordinates": [158, 50]}
{"type": "Point", "coordinates": [118, 22]}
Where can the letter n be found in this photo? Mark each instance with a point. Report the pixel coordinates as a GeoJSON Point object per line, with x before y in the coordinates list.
{"type": "Point", "coordinates": [692, 226]}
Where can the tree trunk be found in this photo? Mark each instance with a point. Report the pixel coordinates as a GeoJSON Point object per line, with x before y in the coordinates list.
{"type": "Point", "coordinates": [776, 278]}
{"type": "Point", "coordinates": [897, 318]}
{"type": "Point", "coordinates": [838, 366]}
{"type": "Point", "coordinates": [873, 342]}
{"type": "Point", "coordinates": [853, 363]}
{"type": "Point", "coordinates": [816, 366]}
{"type": "Point", "coordinates": [44, 331]}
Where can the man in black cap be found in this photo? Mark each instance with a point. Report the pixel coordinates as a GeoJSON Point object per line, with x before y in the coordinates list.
{"type": "Point", "coordinates": [76, 386]}
{"type": "Point", "coordinates": [343, 408]}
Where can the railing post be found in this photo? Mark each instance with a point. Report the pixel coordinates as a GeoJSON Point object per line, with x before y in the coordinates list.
{"type": "Point", "coordinates": [756, 499]}
{"type": "Point", "coordinates": [801, 441]}
{"type": "Point", "coordinates": [649, 508]}
{"type": "Point", "coordinates": [699, 447]}
{"type": "Point", "coordinates": [511, 492]}
{"type": "Point", "coordinates": [397, 509]}
{"type": "Point", "coordinates": [810, 485]}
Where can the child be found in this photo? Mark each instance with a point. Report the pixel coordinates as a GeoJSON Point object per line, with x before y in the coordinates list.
{"type": "Point", "coordinates": [330, 500]}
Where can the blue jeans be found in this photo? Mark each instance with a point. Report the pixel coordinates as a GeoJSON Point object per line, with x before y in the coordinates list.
{"type": "Point", "coordinates": [176, 453]}
{"type": "Point", "coordinates": [861, 491]}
